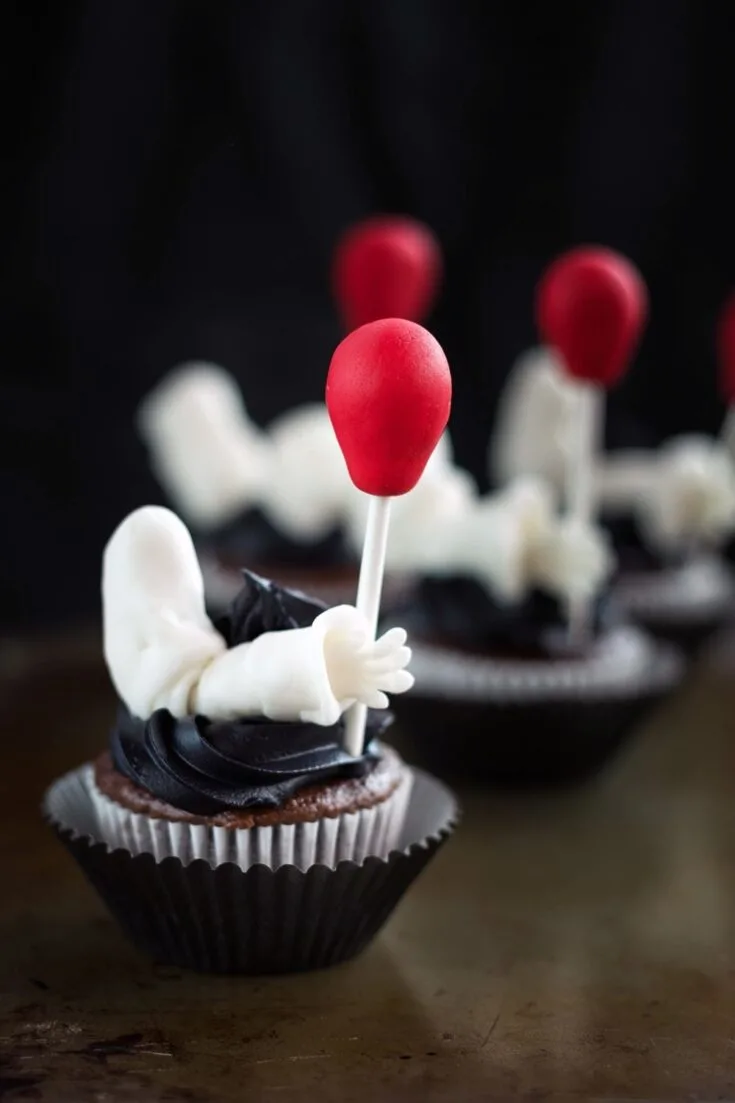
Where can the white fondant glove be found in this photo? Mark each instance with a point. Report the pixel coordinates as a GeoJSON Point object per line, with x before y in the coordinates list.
{"type": "Point", "coordinates": [360, 668]}
{"type": "Point", "coordinates": [205, 451]}
{"type": "Point", "coordinates": [691, 496]}
{"type": "Point", "coordinates": [163, 651]}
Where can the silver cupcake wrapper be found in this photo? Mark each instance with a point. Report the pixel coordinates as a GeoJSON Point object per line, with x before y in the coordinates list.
{"type": "Point", "coordinates": [702, 590]}
{"type": "Point", "coordinates": [624, 662]}
{"type": "Point", "coordinates": [353, 836]}
{"type": "Point", "coordinates": [221, 918]}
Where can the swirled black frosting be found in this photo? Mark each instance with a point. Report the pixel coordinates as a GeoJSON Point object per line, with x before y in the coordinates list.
{"type": "Point", "coordinates": [251, 537]}
{"type": "Point", "coordinates": [459, 611]}
{"type": "Point", "coordinates": [205, 766]}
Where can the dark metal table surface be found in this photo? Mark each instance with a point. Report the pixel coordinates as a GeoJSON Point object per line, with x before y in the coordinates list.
{"type": "Point", "coordinates": [576, 946]}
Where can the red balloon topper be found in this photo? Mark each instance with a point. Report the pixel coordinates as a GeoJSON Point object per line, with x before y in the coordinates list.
{"type": "Point", "coordinates": [389, 392]}
{"type": "Point", "coordinates": [726, 349]}
{"type": "Point", "coordinates": [386, 267]}
{"type": "Point", "coordinates": [591, 306]}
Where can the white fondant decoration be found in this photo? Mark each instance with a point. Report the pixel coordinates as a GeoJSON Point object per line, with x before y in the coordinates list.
{"type": "Point", "coordinates": [691, 496]}
{"type": "Point", "coordinates": [624, 479]}
{"type": "Point", "coordinates": [511, 541]}
{"type": "Point", "coordinates": [572, 560]}
{"type": "Point", "coordinates": [419, 518]}
{"type": "Point", "coordinates": [308, 486]}
{"type": "Point", "coordinates": [163, 651]}
{"type": "Point", "coordinates": [535, 421]}
{"type": "Point", "coordinates": [205, 451]}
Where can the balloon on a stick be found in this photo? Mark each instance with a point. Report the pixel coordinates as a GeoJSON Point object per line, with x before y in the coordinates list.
{"type": "Point", "coordinates": [591, 307]}
{"type": "Point", "coordinates": [386, 267]}
{"type": "Point", "coordinates": [389, 392]}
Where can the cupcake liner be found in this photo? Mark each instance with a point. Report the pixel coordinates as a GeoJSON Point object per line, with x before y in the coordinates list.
{"type": "Point", "coordinates": [702, 590]}
{"type": "Point", "coordinates": [521, 724]}
{"type": "Point", "coordinates": [225, 919]}
{"type": "Point", "coordinates": [621, 663]}
{"type": "Point", "coordinates": [353, 836]}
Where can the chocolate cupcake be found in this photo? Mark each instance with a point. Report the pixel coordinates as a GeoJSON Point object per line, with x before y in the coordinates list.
{"type": "Point", "coordinates": [502, 692]}
{"type": "Point", "coordinates": [226, 826]}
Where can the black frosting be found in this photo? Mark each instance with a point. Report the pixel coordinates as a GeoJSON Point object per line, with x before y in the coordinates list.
{"type": "Point", "coordinates": [204, 766]}
{"type": "Point", "coordinates": [252, 538]}
{"type": "Point", "coordinates": [632, 551]}
{"type": "Point", "coordinates": [459, 611]}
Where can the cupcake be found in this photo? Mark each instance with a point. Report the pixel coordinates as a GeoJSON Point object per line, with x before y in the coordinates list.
{"type": "Point", "coordinates": [226, 826]}
{"type": "Point", "coordinates": [667, 510]}
{"type": "Point", "coordinates": [502, 691]}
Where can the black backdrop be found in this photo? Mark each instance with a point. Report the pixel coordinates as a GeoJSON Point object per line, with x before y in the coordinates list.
{"type": "Point", "coordinates": [175, 174]}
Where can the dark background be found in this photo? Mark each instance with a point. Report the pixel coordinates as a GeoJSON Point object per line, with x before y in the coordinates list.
{"type": "Point", "coordinates": [175, 175]}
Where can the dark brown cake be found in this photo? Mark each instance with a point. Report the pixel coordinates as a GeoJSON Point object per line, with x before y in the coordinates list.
{"type": "Point", "coordinates": [314, 802]}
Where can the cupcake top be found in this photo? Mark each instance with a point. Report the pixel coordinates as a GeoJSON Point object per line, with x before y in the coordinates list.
{"type": "Point", "coordinates": [245, 712]}
{"type": "Point", "coordinates": [500, 575]}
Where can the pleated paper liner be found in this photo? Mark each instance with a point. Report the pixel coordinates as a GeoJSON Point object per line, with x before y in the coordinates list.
{"type": "Point", "coordinates": [224, 919]}
{"type": "Point", "coordinates": [531, 724]}
{"type": "Point", "coordinates": [684, 605]}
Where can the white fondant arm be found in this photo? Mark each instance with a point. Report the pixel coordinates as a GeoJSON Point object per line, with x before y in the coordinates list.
{"type": "Point", "coordinates": [163, 651]}
{"type": "Point", "coordinates": [311, 674]}
{"type": "Point", "coordinates": [623, 478]}
{"type": "Point", "coordinates": [571, 560]}
{"type": "Point", "coordinates": [157, 635]}
{"type": "Point", "coordinates": [534, 422]}
{"type": "Point", "coordinates": [692, 499]}
{"type": "Point", "coordinates": [205, 451]}
{"type": "Point", "coordinates": [164, 672]}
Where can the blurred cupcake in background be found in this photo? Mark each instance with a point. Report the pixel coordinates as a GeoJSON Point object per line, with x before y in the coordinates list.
{"type": "Point", "coordinates": [503, 691]}
{"type": "Point", "coordinates": [668, 510]}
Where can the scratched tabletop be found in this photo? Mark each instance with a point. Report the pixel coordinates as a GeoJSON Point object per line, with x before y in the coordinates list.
{"type": "Point", "coordinates": [574, 946]}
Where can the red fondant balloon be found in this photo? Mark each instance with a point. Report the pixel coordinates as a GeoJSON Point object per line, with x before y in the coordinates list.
{"type": "Point", "coordinates": [591, 306]}
{"type": "Point", "coordinates": [389, 392]}
{"type": "Point", "coordinates": [726, 349]}
{"type": "Point", "coordinates": [386, 267]}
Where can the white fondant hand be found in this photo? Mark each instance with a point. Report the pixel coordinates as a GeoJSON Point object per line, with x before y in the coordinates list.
{"type": "Point", "coordinates": [571, 559]}
{"type": "Point", "coordinates": [692, 495]}
{"type": "Point", "coordinates": [358, 667]}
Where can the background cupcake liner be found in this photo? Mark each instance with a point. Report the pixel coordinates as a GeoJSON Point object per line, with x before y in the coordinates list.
{"type": "Point", "coordinates": [225, 920]}
{"type": "Point", "coordinates": [624, 662]}
{"type": "Point", "coordinates": [702, 590]}
{"type": "Point", "coordinates": [519, 724]}
{"type": "Point", "coordinates": [353, 836]}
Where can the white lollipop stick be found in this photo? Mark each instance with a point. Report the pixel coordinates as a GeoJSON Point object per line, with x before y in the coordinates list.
{"type": "Point", "coordinates": [580, 484]}
{"type": "Point", "coordinates": [369, 589]}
